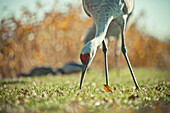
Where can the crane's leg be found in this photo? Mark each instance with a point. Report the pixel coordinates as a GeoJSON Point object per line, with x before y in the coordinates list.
{"type": "Point", "coordinates": [105, 58]}
{"type": "Point", "coordinates": [123, 48]}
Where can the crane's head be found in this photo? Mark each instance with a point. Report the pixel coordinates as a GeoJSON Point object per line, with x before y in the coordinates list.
{"type": "Point", "coordinates": [87, 54]}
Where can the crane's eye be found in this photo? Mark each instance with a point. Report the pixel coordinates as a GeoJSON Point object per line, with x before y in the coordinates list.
{"type": "Point", "coordinates": [85, 58]}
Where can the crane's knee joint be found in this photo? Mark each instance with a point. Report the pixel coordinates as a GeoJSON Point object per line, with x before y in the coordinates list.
{"type": "Point", "coordinates": [105, 49]}
{"type": "Point", "coordinates": [123, 50]}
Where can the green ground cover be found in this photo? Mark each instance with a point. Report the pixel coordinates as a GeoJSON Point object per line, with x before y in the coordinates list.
{"type": "Point", "coordinates": [62, 93]}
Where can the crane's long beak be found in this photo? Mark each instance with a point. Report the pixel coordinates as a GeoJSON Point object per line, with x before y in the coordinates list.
{"type": "Point", "coordinates": [84, 69]}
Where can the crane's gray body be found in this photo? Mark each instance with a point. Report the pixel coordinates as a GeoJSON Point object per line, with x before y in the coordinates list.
{"type": "Point", "coordinates": [113, 29]}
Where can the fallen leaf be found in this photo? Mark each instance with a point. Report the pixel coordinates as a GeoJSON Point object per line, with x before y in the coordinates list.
{"type": "Point", "coordinates": [84, 86]}
{"type": "Point", "coordinates": [24, 99]}
{"type": "Point", "coordinates": [107, 88]}
{"type": "Point", "coordinates": [125, 91]}
{"type": "Point", "coordinates": [19, 98]}
{"type": "Point", "coordinates": [84, 93]}
{"type": "Point", "coordinates": [82, 109]}
{"type": "Point", "coordinates": [115, 106]}
{"type": "Point", "coordinates": [9, 101]}
{"type": "Point", "coordinates": [133, 97]}
{"type": "Point", "coordinates": [23, 91]}
{"type": "Point", "coordinates": [26, 90]}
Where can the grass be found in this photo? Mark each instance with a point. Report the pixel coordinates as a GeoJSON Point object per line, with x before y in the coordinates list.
{"type": "Point", "coordinates": [62, 94]}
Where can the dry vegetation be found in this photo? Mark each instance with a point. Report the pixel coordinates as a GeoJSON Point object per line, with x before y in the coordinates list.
{"type": "Point", "coordinates": [57, 40]}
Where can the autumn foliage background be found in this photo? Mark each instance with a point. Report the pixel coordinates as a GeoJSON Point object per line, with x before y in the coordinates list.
{"type": "Point", "coordinates": [57, 39]}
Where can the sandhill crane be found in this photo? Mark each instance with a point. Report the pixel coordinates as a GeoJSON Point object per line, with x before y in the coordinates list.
{"type": "Point", "coordinates": [104, 12]}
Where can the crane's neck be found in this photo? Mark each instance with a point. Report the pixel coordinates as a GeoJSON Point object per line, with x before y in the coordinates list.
{"type": "Point", "coordinates": [101, 30]}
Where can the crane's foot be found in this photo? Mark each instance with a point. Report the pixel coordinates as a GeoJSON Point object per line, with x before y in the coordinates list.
{"type": "Point", "coordinates": [107, 88]}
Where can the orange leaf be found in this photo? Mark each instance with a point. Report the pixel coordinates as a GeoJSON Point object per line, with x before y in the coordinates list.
{"type": "Point", "coordinates": [115, 106]}
{"type": "Point", "coordinates": [107, 88]}
{"type": "Point", "coordinates": [9, 101]}
{"type": "Point", "coordinates": [84, 86]}
{"type": "Point", "coordinates": [83, 108]}
{"type": "Point", "coordinates": [24, 99]}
